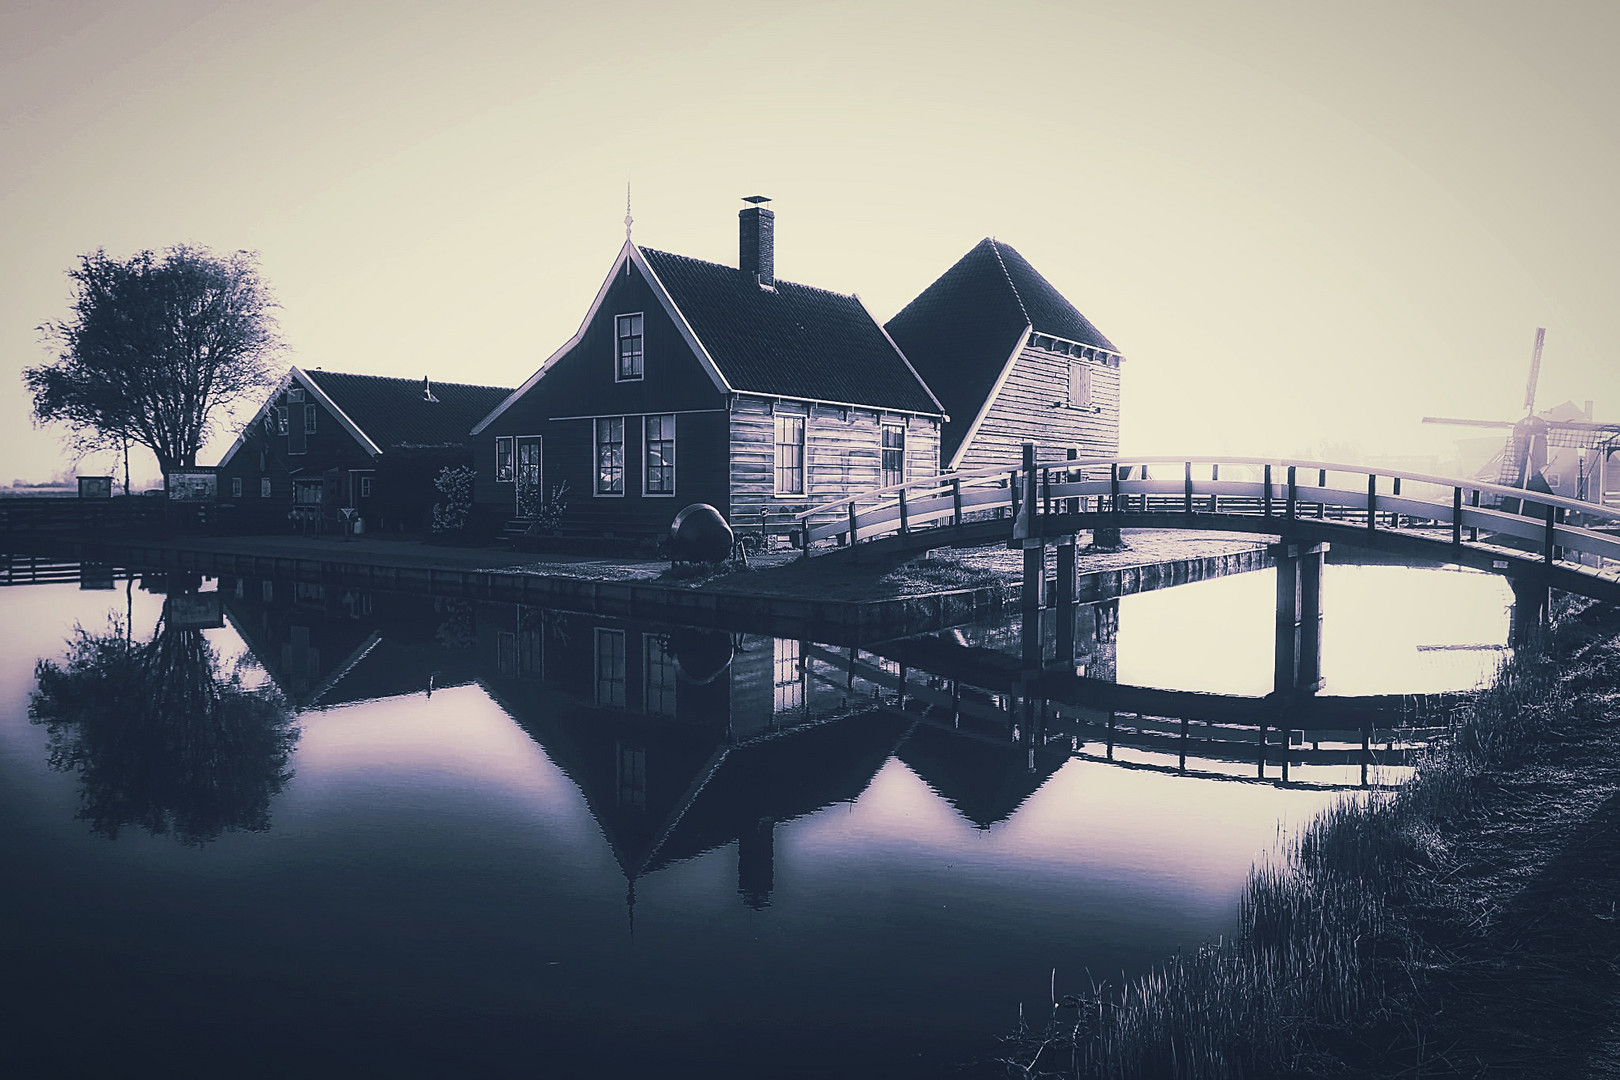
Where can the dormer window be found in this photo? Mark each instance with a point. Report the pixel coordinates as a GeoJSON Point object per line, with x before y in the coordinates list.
{"type": "Point", "coordinates": [629, 338]}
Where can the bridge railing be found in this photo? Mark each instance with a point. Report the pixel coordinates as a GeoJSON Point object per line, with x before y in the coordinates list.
{"type": "Point", "coordinates": [1380, 500]}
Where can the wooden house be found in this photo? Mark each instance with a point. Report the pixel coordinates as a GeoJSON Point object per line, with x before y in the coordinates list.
{"type": "Point", "coordinates": [325, 440]}
{"type": "Point", "coordinates": [1012, 361]}
{"type": "Point", "coordinates": [693, 382]}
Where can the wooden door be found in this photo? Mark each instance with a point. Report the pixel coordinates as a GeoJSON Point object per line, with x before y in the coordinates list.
{"type": "Point", "coordinates": [530, 476]}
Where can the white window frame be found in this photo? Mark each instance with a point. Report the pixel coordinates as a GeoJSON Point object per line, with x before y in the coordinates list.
{"type": "Point", "coordinates": [281, 419]}
{"type": "Point", "coordinates": [295, 393]}
{"type": "Point", "coordinates": [619, 336]}
{"type": "Point", "coordinates": [311, 413]}
{"type": "Point", "coordinates": [596, 457]}
{"type": "Point", "coordinates": [804, 455]}
{"type": "Point", "coordinates": [511, 459]}
{"type": "Point", "coordinates": [623, 681]}
{"type": "Point", "coordinates": [236, 487]}
{"type": "Point", "coordinates": [884, 448]}
{"type": "Point", "coordinates": [646, 455]}
{"type": "Point", "coordinates": [264, 487]}
{"type": "Point", "coordinates": [365, 487]}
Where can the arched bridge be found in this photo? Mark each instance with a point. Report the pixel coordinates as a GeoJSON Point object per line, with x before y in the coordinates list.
{"type": "Point", "coordinates": [1546, 539]}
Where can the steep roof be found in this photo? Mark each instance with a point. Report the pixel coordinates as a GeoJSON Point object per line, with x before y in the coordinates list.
{"type": "Point", "coordinates": [793, 341]}
{"type": "Point", "coordinates": [394, 412]}
{"type": "Point", "coordinates": [960, 332]}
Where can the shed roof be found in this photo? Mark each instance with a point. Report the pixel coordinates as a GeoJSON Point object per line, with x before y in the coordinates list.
{"type": "Point", "coordinates": [396, 412]}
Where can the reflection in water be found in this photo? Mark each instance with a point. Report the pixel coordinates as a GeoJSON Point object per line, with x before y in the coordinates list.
{"type": "Point", "coordinates": [160, 738]}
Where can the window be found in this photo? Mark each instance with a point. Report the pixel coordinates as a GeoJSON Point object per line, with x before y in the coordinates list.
{"type": "Point", "coordinates": [629, 337]}
{"type": "Point", "coordinates": [790, 455]}
{"type": "Point", "coordinates": [267, 591]}
{"type": "Point", "coordinates": [281, 419]}
{"type": "Point", "coordinates": [309, 419]}
{"type": "Point", "coordinates": [236, 487]}
{"type": "Point", "coordinates": [657, 676]}
{"type": "Point", "coordinates": [503, 459]}
{"type": "Point", "coordinates": [787, 675]}
{"type": "Point", "coordinates": [610, 455]}
{"type": "Point", "coordinates": [269, 422]}
{"type": "Point", "coordinates": [307, 492]}
{"type": "Point", "coordinates": [659, 476]}
{"type": "Point", "coordinates": [632, 772]}
{"type": "Point", "coordinates": [506, 653]}
{"type": "Point", "coordinates": [264, 487]}
{"type": "Point", "coordinates": [1080, 386]}
{"type": "Point", "coordinates": [894, 454]}
{"type": "Point", "coordinates": [610, 668]}
{"type": "Point", "coordinates": [295, 394]}
{"type": "Point", "coordinates": [365, 487]}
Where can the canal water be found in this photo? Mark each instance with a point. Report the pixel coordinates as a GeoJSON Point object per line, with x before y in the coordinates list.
{"type": "Point", "coordinates": [256, 827]}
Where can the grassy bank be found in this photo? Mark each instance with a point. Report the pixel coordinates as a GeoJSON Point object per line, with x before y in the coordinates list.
{"type": "Point", "coordinates": [1461, 925]}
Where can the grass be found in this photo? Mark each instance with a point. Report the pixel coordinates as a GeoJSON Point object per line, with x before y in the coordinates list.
{"type": "Point", "coordinates": [1360, 943]}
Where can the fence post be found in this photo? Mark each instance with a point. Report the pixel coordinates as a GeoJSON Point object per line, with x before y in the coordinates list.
{"type": "Point", "coordinates": [1547, 548]}
{"type": "Point", "coordinates": [1186, 489]}
{"type": "Point", "coordinates": [1372, 502]}
{"type": "Point", "coordinates": [1214, 499]}
{"type": "Point", "coordinates": [1265, 500]}
{"type": "Point", "coordinates": [1456, 517]}
{"type": "Point", "coordinates": [956, 499]}
{"type": "Point", "coordinates": [1293, 492]}
{"type": "Point", "coordinates": [1012, 488]}
{"type": "Point", "coordinates": [852, 523]}
{"type": "Point", "coordinates": [1473, 530]}
{"type": "Point", "coordinates": [1046, 488]}
{"type": "Point", "coordinates": [905, 516]}
{"type": "Point", "coordinates": [1072, 506]}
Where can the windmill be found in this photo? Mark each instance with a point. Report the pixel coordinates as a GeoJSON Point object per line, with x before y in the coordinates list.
{"type": "Point", "coordinates": [1560, 452]}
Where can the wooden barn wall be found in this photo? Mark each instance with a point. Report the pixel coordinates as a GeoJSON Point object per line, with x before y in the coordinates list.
{"type": "Point", "coordinates": [1024, 412]}
{"type": "Point", "coordinates": [329, 446]}
{"type": "Point", "coordinates": [843, 455]}
{"type": "Point", "coordinates": [581, 382]}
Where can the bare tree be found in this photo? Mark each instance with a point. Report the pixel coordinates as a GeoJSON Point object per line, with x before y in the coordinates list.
{"type": "Point", "coordinates": [155, 348]}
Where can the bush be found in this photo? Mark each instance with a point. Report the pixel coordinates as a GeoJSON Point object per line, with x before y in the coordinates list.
{"type": "Point", "coordinates": [450, 514]}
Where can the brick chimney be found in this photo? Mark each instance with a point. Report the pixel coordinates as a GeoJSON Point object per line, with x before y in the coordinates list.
{"type": "Point", "coordinates": [756, 241]}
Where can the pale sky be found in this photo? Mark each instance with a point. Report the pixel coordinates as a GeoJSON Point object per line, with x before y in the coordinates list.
{"type": "Point", "coordinates": [1303, 224]}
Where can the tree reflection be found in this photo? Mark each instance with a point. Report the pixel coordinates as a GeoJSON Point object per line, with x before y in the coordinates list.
{"type": "Point", "coordinates": [160, 737]}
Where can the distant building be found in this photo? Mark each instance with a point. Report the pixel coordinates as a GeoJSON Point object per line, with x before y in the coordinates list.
{"type": "Point", "coordinates": [325, 440]}
{"type": "Point", "coordinates": [689, 381]}
{"type": "Point", "coordinates": [1012, 361]}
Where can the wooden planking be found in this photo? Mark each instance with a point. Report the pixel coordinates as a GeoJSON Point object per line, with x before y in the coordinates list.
{"type": "Point", "coordinates": [843, 455]}
{"type": "Point", "coordinates": [1023, 412]}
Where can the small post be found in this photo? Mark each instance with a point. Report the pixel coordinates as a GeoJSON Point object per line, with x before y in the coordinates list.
{"type": "Point", "coordinates": [852, 523]}
{"type": "Point", "coordinates": [1265, 500]}
{"type": "Point", "coordinates": [1321, 482]}
{"type": "Point", "coordinates": [1113, 487]}
{"type": "Point", "coordinates": [1548, 551]}
{"type": "Point", "coordinates": [956, 500]}
{"type": "Point", "coordinates": [1013, 492]}
{"type": "Point", "coordinates": [1063, 601]}
{"type": "Point", "coordinates": [1293, 492]}
{"type": "Point", "coordinates": [1372, 502]}
{"type": "Point", "coordinates": [1214, 499]}
{"type": "Point", "coordinates": [1046, 489]}
{"type": "Point", "coordinates": [905, 516]}
{"type": "Point", "coordinates": [1456, 517]}
{"type": "Point", "coordinates": [1073, 505]}
{"type": "Point", "coordinates": [1473, 530]}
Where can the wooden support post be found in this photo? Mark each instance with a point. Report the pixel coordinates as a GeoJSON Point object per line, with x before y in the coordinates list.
{"type": "Point", "coordinates": [956, 500]}
{"type": "Point", "coordinates": [1108, 536]}
{"type": "Point", "coordinates": [1012, 489]}
{"type": "Point", "coordinates": [1456, 517]}
{"type": "Point", "coordinates": [905, 515]}
{"type": "Point", "coordinates": [1182, 765]}
{"type": "Point", "coordinates": [1063, 602]}
{"type": "Point", "coordinates": [1293, 492]}
{"type": "Point", "coordinates": [1034, 580]}
{"type": "Point", "coordinates": [1265, 499]}
{"type": "Point", "coordinates": [1321, 482]}
{"type": "Point", "coordinates": [1372, 502]}
{"type": "Point", "coordinates": [1473, 530]}
{"type": "Point", "coordinates": [1186, 489]}
{"type": "Point", "coordinates": [1073, 505]}
{"type": "Point", "coordinates": [1548, 550]}
{"type": "Point", "coordinates": [1261, 764]}
{"type": "Point", "coordinates": [852, 522]}
{"type": "Point", "coordinates": [1046, 491]}
{"type": "Point", "coordinates": [1214, 499]}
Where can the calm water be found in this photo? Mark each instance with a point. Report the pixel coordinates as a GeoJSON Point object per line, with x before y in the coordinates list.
{"type": "Point", "coordinates": [598, 847]}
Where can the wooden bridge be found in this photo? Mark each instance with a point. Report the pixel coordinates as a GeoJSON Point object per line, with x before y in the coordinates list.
{"type": "Point", "coordinates": [1542, 539]}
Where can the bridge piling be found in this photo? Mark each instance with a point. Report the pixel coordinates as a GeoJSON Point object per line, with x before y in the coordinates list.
{"type": "Point", "coordinates": [1532, 598]}
{"type": "Point", "coordinates": [1298, 655]}
{"type": "Point", "coordinates": [1063, 606]}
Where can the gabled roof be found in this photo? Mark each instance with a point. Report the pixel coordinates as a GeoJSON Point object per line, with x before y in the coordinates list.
{"type": "Point", "coordinates": [963, 331]}
{"type": "Point", "coordinates": [790, 341]}
{"type": "Point", "coordinates": [395, 412]}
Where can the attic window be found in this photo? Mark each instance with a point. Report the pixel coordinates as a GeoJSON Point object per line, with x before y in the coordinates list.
{"type": "Point", "coordinates": [1079, 385]}
{"type": "Point", "coordinates": [628, 333]}
{"type": "Point", "coordinates": [295, 394]}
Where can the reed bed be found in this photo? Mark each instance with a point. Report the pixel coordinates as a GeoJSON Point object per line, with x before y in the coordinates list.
{"type": "Point", "coordinates": [1325, 974]}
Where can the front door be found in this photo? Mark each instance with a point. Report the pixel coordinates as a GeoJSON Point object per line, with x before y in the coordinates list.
{"type": "Point", "coordinates": [529, 476]}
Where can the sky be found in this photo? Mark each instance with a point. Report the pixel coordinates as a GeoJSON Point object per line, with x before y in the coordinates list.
{"type": "Point", "coordinates": [1306, 226]}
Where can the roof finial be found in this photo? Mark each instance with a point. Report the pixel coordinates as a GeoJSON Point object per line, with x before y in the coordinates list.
{"type": "Point", "coordinates": [627, 218]}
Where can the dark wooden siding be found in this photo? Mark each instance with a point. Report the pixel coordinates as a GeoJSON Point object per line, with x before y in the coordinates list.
{"type": "Point", "coordinates": [843, 455]}
{"type": "Point", "coordinates": [330, 446]}
{"type": "Point", "coordinates": [581, 384]}
{"type": "Point", "coordinates": [1023, 411]}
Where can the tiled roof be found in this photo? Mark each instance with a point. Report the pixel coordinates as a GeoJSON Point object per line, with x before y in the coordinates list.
{"type": "Point", "coordinates": [793, 341]}
{"type": "Point", "coordinates": [959, 332]}
{"type": "Point", "coordinates": [394, 412]}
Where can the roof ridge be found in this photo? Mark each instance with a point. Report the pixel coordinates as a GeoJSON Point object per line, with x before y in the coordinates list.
{"type": "Point", "coordinates": [722, 266]}
{"type": "Point", "coordinates": [995, 246]}
{"type": "Point", "coordinates": [403, 379]}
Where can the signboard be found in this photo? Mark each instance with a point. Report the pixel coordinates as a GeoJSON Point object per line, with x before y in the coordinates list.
{"type": "Point", "coordinates": [95, 487]}
{"type": "Point", "coordinates": [193, 486]}
{"type": "Point", "coordinates": [194, 611]}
